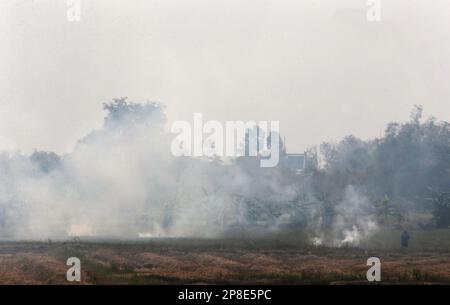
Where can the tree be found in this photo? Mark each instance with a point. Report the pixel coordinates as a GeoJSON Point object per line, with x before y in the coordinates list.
{"type": "Point", "coordinates": [45, 161]}
{"type": "Point", "coordinates": [441, 208]}
{"type": "Point", "coordinates": [121, 113]}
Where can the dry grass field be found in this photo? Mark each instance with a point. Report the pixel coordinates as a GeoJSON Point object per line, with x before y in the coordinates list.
{"type": "Point", "coordinates": [277, 259]}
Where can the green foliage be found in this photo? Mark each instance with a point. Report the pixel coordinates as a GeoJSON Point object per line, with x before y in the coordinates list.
{"type": "Point", "coordinates": [399, 167]}
{"type": "Point", "coordinates": [441, 209]}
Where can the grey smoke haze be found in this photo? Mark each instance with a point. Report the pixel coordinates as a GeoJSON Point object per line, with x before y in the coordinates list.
{"type": "Point", "coordinates": [317, 66]}
{"type": "Point", "coordinates": [121, 181]}
{"type": "Point", "coordinates": [354, 221]}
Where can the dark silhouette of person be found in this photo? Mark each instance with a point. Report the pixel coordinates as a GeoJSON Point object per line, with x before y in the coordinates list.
{"type": "Point", "coordinates": [405, 239]}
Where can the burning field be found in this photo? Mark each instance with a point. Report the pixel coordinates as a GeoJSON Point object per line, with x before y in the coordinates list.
{"type": "Point", "coordinates": [275, 260]}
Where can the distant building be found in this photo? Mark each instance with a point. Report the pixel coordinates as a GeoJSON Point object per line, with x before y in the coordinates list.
{"type": "Point", "coordinates": [295, 162]}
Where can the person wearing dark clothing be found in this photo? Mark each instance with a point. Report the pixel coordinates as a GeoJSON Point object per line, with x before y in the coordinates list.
{"type": "Point", "coordinates": [405, 239]}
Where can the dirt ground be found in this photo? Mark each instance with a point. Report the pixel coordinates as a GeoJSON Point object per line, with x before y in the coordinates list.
{"type": "Point", "coordinates": [213, 263]}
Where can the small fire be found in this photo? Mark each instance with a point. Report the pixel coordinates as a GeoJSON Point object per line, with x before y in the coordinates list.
{"type": "Point", "coordinates": [80, 229]}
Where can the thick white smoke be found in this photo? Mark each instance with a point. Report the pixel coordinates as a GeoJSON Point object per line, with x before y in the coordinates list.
{"type": "Point", "coordinates": [122, 181]}
{"type": "Point", "coordinates": [353, 222]}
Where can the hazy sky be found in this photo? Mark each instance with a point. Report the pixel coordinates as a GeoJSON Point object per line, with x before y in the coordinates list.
{"type": "Point", "coordinates": [317, 66]}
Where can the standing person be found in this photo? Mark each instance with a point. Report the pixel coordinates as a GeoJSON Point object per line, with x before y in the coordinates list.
{"type": "Point", "coordinates": [405, 239]}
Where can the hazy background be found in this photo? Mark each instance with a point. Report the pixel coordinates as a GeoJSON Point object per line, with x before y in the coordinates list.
{"type": "Point", "coordinates": [317, 66]}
